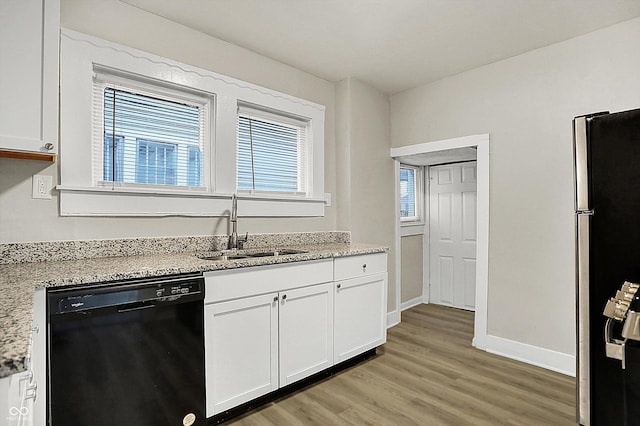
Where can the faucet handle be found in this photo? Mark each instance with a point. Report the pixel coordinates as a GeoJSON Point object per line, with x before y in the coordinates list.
{"type": "Point", "coordinates": [243, 240]}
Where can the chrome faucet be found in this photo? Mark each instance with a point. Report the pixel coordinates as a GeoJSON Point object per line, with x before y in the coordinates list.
{"type": "Point", "coordinates": [234, 241]}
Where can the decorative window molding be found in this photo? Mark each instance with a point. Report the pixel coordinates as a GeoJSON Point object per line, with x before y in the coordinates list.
{"type": "Point", "coordinates": [83, 58]}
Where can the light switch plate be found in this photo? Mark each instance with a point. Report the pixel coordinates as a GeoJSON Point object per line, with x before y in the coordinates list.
{"type": "Point", "coordinates": [42, 187]}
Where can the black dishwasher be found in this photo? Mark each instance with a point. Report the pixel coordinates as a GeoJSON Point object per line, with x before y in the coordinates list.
{"type": "Point", "coordinates": [127, 353]}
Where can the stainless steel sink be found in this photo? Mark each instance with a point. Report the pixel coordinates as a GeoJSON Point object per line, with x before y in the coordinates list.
{"type": "Point", "coordinates": [222, 257]}
{"type": "Point", "coordinates": [277, 252]}
{"type": "Point", "coordinates": [225, 257]}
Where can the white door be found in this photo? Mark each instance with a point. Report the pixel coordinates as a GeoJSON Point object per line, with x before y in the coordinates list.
{"type": "Point", "coordinates": [306, 332]}
{"type": "Point", "coordinates": [452, 235]}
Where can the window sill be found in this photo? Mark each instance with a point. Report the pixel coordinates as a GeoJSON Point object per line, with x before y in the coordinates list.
{"type": "Point", "coordinates": [81, 201]}
{"type": "Point", "coordinates": [408, 229]}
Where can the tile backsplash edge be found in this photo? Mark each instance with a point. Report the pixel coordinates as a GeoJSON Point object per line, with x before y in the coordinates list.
{"type": "Point", "coordinates": [46, 251]}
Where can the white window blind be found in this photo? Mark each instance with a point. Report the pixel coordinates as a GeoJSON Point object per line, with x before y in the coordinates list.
{"type": "Point", "coordinates": [143, 137]}
{"type": "Point", "coordinates": [272, 152]}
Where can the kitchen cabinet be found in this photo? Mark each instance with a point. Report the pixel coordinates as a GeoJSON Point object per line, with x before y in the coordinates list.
{"type": "Point", "coordinates": [261, 343]}
{"type": "Point", "coordinates": [23, 395]}
{"type": "Point", "coordinates": [29, 40]}
{"type": "Point", "coordinates": [305, 332]}
{"type": "Point", "coordinates": [257, 343]}
{"type": "Point", "coordinates": [241, 353]}
{"type": "Point", "coordinates": [267, 327]}
{"type": "Point", "coordinates": [360, 304]}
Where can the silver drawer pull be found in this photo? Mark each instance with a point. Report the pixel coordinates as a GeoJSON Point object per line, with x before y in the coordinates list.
{"type": "Point", "coordinates": [364, 266]}
{"type": "Point", "coordinates": [339, 285]}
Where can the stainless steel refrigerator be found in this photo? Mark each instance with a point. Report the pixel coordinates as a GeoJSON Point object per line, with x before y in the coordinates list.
{"type": "Point", "coordinates": [607, 200]}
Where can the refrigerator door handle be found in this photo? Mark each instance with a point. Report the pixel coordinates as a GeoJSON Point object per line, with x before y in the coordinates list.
{"type": "Point", "coordinates": [582, 301]}
{"type": "Point", "coordinates": [580, 151]}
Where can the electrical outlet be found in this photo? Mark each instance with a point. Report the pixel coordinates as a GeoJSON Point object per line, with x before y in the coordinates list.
{"type": "Point", "coordinates": [42, 186]}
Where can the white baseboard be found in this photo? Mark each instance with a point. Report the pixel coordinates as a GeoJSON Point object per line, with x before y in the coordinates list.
{"type": "Point", "coordinates": [393, 318]}
{"type": "Point", "coordinates": [411, 303]}
{"type": "Point", "coordinates": [545, 358]}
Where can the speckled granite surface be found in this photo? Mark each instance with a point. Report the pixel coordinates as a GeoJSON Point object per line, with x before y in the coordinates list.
{"type": "Point", "coordinates": [53, 251]}
{"type": "Point", "coordinates": [18, 281]}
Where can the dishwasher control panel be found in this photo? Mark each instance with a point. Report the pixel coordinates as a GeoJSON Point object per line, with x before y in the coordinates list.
{"type": "Point", "coordinates": [123, 293]}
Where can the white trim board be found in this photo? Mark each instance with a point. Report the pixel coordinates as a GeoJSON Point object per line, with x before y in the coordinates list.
{"type": "Point", "coordinates": [411, 303]}
{"type": "Point", "coordinates": [393, 318]}
{"type": "Point", "coordinates": [481, 142]}
{"type": "Point", "coordinates": [545, 358]}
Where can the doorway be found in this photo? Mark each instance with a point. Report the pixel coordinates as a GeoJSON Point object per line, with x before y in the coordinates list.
{"type": "Point", "coordinates": [456, 150]}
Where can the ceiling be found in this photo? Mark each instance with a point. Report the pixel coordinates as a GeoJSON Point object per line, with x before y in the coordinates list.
{"type": "Point", "coordinates": [393, 45]}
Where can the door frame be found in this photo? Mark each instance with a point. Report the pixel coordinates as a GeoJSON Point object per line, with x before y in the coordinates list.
{"type": "Point", "coordinates": [481, 143]}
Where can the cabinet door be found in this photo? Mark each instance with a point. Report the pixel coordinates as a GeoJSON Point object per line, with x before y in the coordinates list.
{"type": "Point", "coordinates": [241, 349]}
{"type": "Point", "coordinates": [360, 315]}
{"type": "Point", "coordinates": [306, 332]}
{"type": "Point", "coordinates": [29, 33]}
{"type": "Point", "coordinates": [15, 408]}
{"type": "Point", "coordinates": [38, 389]}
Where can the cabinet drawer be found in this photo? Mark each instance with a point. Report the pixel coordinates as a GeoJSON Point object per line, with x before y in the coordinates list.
{"type": "Point", "coordinates": [243, 282]}
{"type": "Point", "coordinates": [355, 266]}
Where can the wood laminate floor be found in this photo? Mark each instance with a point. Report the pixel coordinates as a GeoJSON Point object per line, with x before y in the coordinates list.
{"type": "Point", "coordinates": [429, 374]}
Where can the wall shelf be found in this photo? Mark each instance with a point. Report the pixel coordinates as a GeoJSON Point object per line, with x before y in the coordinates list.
{"type": "Point", "coordinates": [27, 155]}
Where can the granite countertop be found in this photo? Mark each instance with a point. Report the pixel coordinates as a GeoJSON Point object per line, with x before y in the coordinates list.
{"type": "Point", "coordinates": [18, 283]}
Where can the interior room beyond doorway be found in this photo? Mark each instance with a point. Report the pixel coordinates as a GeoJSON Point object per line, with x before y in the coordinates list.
{"type": "Point", "coordinates": [413, 235]}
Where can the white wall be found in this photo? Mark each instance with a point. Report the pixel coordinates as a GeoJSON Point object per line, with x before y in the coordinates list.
{"type": "Point", "coordinates": [412, 265]}
{"type": "Point", "coordinates": [25, 219]}
{"type": "Point", "coordinates": [365, 171]}
{"type": "Point", "coordinates": [527, 103]}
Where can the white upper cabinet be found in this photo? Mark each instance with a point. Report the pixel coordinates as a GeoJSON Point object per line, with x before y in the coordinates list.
{"type": "Point", "coordinates": [29, 44]}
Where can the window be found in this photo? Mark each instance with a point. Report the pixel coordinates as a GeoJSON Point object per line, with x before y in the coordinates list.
{"type": "Point", "coordinates": [272, 152]}
{"type": "Point", "coordinates": [159, 137]}
{"type": "Point", "coordinates": [149, 136]}
{"type": "Point", "coordinates": [410, 194]}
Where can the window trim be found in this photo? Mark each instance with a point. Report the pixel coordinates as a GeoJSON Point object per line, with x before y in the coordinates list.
{"type": "Point", "coordinates": [418, 219]}
{"type": "Point", "coordinates": [81, 54]}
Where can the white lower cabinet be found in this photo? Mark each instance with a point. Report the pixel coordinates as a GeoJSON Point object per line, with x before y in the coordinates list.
{"type": "Point", "coordinates": [360, 304]}
{"type": "Point", "coordinates": [306, 332]}
{"type": "Point", "coordinates": [241, 351]}
{"type": "Point", "coordinates": [15, 401]}
{"type": "Point", "coordinates": [255, 344]}
{"type": "Point", "coordinates": [23, 395]}
{"type": "Point", "coordinates": [311, 316]}
{"type": "Point", "coordinates": [360, 315]}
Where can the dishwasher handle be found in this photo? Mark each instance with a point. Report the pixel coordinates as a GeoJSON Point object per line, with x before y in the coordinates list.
{"type": "Point", "coordinates": [135, 307]}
